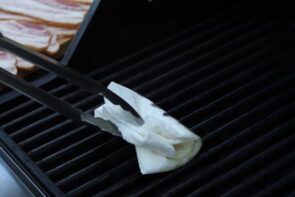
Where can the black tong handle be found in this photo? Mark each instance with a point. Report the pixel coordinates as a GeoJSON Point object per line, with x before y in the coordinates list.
{"type": "Point", "coordinates": [49, 64]}
{"type": "Point", "coordinates": [53, 102]}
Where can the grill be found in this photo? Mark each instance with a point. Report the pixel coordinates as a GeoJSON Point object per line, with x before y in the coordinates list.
{"type": "Point", "coordinates": [229, 78]}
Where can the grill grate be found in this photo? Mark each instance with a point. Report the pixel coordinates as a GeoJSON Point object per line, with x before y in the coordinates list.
{"type": "Point", "coordinates": [229, 78]}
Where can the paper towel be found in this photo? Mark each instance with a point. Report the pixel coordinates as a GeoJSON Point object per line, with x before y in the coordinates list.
{"type": "Point", "coordinates": [162, 143]}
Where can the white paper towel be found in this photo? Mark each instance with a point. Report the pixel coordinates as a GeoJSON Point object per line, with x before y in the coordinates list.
{"type": "Point", "coordinates": [162, 143]}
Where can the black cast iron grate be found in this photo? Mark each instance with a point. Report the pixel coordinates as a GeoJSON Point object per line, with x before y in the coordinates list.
{"type": "Point", "coordinates": [229, 78]}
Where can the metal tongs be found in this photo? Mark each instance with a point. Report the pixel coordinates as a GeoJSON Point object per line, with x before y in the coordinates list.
{"type": "Point", "coordinates": [54, 103]}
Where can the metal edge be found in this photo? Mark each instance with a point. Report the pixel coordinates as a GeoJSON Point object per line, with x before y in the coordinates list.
{"type": "Point", "coordinates": [80, 34]}
{"type": "Point", "coordinates": [33, 172]}
{"type": "Point", "coordinates": [19, 174]}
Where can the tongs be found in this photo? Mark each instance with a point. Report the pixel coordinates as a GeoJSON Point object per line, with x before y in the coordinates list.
{"type": "Point", "coordinates": [52, 102]}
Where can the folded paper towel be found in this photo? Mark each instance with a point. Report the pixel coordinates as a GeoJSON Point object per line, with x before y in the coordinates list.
{"type": "Point", "coordinates": [162, 143]}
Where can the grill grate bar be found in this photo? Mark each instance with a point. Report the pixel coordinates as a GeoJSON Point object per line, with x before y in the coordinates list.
{"type": "Point", "coordinates": [278, 150]}
{"type": "Point", "coordinates": [88, 172]}
{"type": "Point", "coordinates": [182, 54]}
{"type": "Point", "coordinates": [255, 99]}
{"type": "Point", "coordinates": [226, 131]}
{"type": "Point", "coordinates": [180, 69]}
{"type": "Point", "coordinates": [24, 133]}
{"type": "Point", "coordinates": [22, 121]}
{"type": "Point", "coordinates": [167, 45]}
{"type": "Point", "coordinates": [230, 137]}
{"type": "Point", "coordinates": [77, 134]}
{"type": "Point", "coordinates": [42, 150]}
{"type": "Point", "coordinates": [30, 105]}
{"type": "Point", "coordinates": [234, 22]}
{"type": "Point", "coordinates": [266, 176]}
{"type": "Point", "coordinates": [129, 166]}
{"type": "Point", "coordinates": [203, 47]}
{"type": "Point", "coordinates": [89, 164]}
{"type": "Point", "coordinates": [283, 95]}
{"type": "Point", "coordinates": [262, 145]}
{"type": "Point", "coordinates": [212, 151]}
{"type": "Point", "coordinates": [53, 159]}
{"type": "Point", "coordinates": [236, 63]}
{"type": "Point", "coordinates": [231, 86]}
{"type": "Point", "coordinates": [264, 106]}
{"type": "Point", "coordinates": [255, 109]}
{"type": "Point", "coordinates": [278, 187]}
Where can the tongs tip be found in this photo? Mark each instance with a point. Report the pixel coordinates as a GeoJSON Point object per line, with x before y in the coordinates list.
{"type": "Point", "coordinates": [116, 99]}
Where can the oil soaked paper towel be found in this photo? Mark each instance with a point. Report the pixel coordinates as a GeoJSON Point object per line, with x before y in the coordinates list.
{"type": "Point", "coordinates": [162, 143]}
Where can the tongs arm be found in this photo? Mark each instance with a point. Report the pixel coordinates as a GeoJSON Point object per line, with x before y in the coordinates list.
{"type": "Point", "coordinates": [53, 102]}
{"type": "Point", "coordinates": [51, 65]}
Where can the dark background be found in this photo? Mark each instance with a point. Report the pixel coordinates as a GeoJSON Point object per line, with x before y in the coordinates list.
{"type": "Point", "coordinates": [121, 27]}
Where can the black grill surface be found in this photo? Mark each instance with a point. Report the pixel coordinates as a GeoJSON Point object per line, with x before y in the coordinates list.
{"type": "Point", "coordinates": [230, 78]}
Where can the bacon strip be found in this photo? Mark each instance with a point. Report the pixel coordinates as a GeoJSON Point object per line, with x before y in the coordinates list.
{"type": "Point", "coordinates": [54, 12]}
{"type": "Point", "coordinates": [29, 34]}
{"type": "Point", "coordinates": [10, 16]}
{"type": "Point", "coordinates": [62, 32]}
{"type": "Point", "coordinates": [81, 1]}
{"type": "Point", "coordinates": [8, 62]}
{"type": "Point", "coordinates": [23, 64]}
{"type": "Point", "coordinates": [54, 46]}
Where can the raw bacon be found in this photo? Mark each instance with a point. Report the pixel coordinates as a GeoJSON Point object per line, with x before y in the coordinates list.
{"type": "Point", "coordinates": [23, 64]}
{"type": "Point", "coordinates": [29, 34]}
{"type": "Point", "coordinates": [54, 12]}
{"type": "Point", "coordinates": [42, 25]}
{"type": "Point", "coordinates": [62, 32]}
{"type": "Point", "coordinates": [8, 62]}
{"type": "Point", "coordinates": [10, 16]}
{"type": "Point", "coordinates": [81, 1]}
{"type": "Point", "coordinates": [54, 46]}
